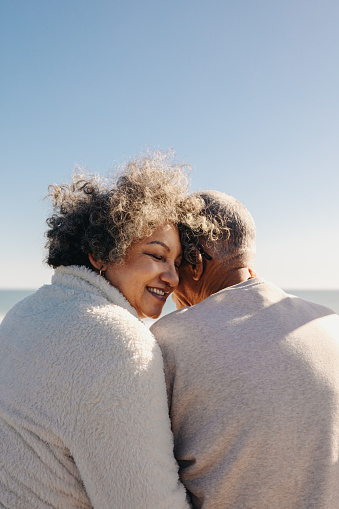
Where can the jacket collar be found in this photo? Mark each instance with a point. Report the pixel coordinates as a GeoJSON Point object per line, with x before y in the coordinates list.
{"type": "Point", "coordinates": [82, 278]}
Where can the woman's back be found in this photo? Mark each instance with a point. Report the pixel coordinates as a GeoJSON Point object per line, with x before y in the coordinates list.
{"type": "Point", "coordinates": [81, 399]}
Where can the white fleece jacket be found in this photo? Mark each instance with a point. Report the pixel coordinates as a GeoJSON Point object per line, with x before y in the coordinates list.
{"type": "Point", "coordinates": [83, 411]}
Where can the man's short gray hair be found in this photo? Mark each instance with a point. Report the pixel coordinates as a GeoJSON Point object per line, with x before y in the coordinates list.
{"type": "Point", "coordinates": [237, 245]}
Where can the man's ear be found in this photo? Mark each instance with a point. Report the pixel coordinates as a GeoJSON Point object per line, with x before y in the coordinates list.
{"type": "Point", "coordinates": [97, 264]}
{"type": "Point", "coordinates": [252, 272]}
{"type": "Point", "coordinates": [198, 269]}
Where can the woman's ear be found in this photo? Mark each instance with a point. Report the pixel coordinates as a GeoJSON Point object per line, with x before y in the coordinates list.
{"type": "Point", "coordinates": [97, 263]}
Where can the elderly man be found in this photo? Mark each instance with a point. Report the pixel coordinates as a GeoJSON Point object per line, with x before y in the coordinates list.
{"type": "Point", "coordinates": [253, 380]}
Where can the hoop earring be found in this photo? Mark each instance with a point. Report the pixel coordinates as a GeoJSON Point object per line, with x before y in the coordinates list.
{"type": "Point", "coordinates": [101, 272]}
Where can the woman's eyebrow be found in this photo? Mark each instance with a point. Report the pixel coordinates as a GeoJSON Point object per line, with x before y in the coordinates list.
{"type": "Point", "coordinates": [160, 244]}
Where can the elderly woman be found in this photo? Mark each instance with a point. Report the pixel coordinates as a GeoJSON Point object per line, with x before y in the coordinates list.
{"type": "Point", "coordinates": [84, 420]}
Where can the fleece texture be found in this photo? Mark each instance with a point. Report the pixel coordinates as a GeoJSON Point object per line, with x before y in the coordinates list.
{"type": "Point", "coordinates": [83, 411]}
{"type": "Point", "coordinates": [253, 387]}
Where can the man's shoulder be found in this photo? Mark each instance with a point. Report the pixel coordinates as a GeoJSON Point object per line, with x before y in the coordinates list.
{"type": "Point", "coordinates": [188, 317]}
{"type": "Point", "coordinates": [176, 325]}
{"type": "Point", "coordinates": [171, 322]}
{"type": "Point", "coordinates": [171, 318]}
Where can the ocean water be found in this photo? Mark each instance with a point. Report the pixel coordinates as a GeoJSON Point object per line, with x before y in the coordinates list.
{"type": "Point", "coordinates": [329, 298]}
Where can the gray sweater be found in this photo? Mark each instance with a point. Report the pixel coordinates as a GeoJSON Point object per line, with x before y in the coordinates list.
{"type": "Point", "coordinates": [83, 411]}
{"type": "Point", "coordinates": [253, 386]}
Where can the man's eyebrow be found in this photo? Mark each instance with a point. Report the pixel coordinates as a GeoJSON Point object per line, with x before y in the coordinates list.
{"type": "Point", "coordinates": [160, 244]}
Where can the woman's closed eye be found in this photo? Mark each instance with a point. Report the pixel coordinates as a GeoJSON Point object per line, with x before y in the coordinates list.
{"type": "Point", "coordinates": [162, 258]}
{"type": "Point", "coordinates": [157, 257]}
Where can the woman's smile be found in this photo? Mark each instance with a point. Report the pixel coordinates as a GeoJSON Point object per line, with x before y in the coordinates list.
{"type": "Point", "coordinates": [158, 293]}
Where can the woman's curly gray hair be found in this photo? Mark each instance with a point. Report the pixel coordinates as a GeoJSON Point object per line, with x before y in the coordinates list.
{"type": "Point", "coordinates": [94, 216]}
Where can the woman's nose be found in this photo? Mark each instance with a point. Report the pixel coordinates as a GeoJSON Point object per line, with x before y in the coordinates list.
{"type": "Point", "coordinates": [170, 276]}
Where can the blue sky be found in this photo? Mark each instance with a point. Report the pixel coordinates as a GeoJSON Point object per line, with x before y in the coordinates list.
{"type": "Point", "coordinates": [246, 91]}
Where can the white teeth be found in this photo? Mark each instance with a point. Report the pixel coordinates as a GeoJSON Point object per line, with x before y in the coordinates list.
{"type": "Point", "coordinates": [155, 290]}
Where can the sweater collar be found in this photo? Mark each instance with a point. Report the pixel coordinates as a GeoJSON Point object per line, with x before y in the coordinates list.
{"type": "Point", "coordinates": [87, 280]}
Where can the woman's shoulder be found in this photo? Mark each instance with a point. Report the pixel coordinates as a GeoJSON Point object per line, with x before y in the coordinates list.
{"type": "Point", "coordinates": [126, 333]}
{"type": "Point", "coordinates": [103, 332]}
{"type": "Point", "coordinates": [65, 319]}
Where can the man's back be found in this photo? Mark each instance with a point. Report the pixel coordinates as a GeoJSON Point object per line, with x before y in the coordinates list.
{"type": "Point", "coordinates": [253, 382]}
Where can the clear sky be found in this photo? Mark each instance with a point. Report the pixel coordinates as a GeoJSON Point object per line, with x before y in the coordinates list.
{"type": "Point", "coordinates": [246, 91]}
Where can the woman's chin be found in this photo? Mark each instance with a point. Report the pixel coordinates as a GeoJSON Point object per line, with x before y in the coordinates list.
{"type": "Point", "coordinates": [152, 313]}
{"type": "Point", "coordinates": [150, 308]}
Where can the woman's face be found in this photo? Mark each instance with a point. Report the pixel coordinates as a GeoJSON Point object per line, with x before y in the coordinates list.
{"type": "Point", "coordinates": [150, 271]}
